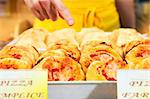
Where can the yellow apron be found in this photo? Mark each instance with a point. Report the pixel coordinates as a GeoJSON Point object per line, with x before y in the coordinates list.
{"type": "Point", "coordinates": [86, 13]}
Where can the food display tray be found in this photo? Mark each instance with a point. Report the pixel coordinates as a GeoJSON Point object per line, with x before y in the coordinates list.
{"type": "Point", "coordinates": [82, 90]}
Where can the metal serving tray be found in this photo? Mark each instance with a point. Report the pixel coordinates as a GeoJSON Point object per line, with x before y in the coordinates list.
{"type": "Point", "coordinates": [82, 90]}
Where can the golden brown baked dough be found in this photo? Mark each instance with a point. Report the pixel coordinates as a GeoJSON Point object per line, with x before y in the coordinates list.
{"type": "Point", "coordinates": [123, 36]}
{"type": "Point", "coordinates": [100, 48]}
{"type": "Point", "coordinates": [137, 54]}
{"type": "Point", "coordinates": [64, 39]}
{"type": "Point", "coordinates": [33, 37]}
{"type": "Point", "coordinates": [18, 57]}
{"type": "Point", "coordinates": [60, 66]}
{"type": "Point", "coordinates": [84, 31]}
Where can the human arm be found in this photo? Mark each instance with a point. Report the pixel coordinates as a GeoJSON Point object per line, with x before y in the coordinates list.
{"type": "Point", "coordinates": [126, 9]}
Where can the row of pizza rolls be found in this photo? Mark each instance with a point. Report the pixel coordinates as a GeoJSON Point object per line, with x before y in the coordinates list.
{"type": "Point", "coordinates": [90, 54]}
{"type": "Point", "coordinates": [102, 54]}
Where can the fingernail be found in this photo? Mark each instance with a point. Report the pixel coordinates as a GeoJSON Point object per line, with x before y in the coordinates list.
{"type": "Point", "coordinates": [70, 22]}
{"type": "Point", "coordinates": [42, 19]}
{"type": "Point", "coordinates": [54, 19]}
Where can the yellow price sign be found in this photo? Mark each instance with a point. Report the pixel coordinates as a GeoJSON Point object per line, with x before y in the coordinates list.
{"type": "Point", "coordinates": [23, 84]}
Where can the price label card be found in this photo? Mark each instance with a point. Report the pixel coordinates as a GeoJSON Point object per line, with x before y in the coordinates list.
{"type": "Point", "coordinates": [23, 84]}
{"type": "Point", "coordinates": [133, 84]}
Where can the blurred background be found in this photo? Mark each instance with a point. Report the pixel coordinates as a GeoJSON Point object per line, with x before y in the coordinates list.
{"type": "Point", "coordinates": [15, 18]}
{"type": "Point", "coordinates": [142, 8]}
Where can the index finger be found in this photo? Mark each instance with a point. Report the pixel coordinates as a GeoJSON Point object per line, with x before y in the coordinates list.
{"type": "Point", "coordinates": [64, 12]}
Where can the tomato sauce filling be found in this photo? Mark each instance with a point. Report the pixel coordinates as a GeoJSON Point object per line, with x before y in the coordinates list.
{"type": "Point", "coordinates": [55, 74]}
{"type": "Point", "coordinates": [143, 53]}
{"type": "Point", "coordinates": [102, 55]}
{"type": "Point", "coordinates": [110, 70]}
{"type": "Point", "coordinates": [5, 66]}
{"type": "Point", "coordinates": [71, 79]}
{"type": "Point", "coordinates": [17, 56]}
{"type": "Point", "coordinates": [107, 77]}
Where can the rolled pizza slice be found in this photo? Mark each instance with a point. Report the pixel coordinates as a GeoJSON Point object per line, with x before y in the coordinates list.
{"type": "Point", "coordinates": [12, 63]}
{"type": "Point", "coordinates": [123, 36]}
{"type": "Point", "coordinates": [96, 38]}
{"type": "Point", "coordinates": [137, 54]}
{"type": "Point", "coordinates": [104, 71]}
{"type": "Point", "coordinates": [102, 52]}
{"type": "Point", "coordinates": [33, 37]}
{"type": "Point", "coordinates": [129, 46]}
{"type": "Point", "coordinates": [60, 66]}
{"type": "Point", "coordinates": [11, 54]}
{"type": "Point", "coordinates": [64, 39]}
{"type": "Point", "coordinates": [71, 49]}
{"type": "Point", "coordinates": [29, 51]}
{"type": "Point", "coordinates": [86, 31]}
{"type": "Point", "coordinates": [64, 34]}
